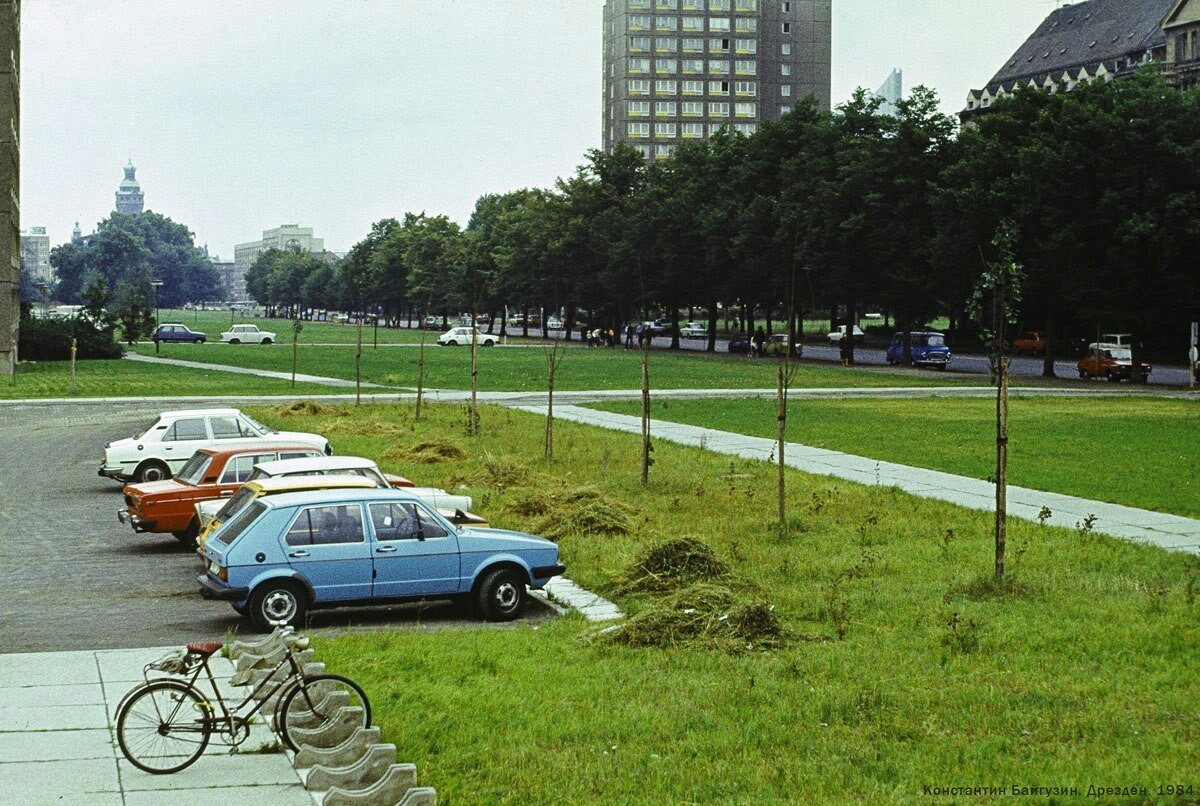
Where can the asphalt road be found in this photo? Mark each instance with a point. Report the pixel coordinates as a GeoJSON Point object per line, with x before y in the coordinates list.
{"type": "Point", "coordinates": [72, 577]}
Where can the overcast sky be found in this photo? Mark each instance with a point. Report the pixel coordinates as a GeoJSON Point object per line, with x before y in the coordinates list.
{"type": "Point", "coordinates": [242, 115]}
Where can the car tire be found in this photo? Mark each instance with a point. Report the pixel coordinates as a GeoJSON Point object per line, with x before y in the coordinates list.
{"type": "Point", "coordinates": [197, 341]}
{"type": "Point", "coordinates": [451, 344]}
{"type": "Point", "coordinates": [501, 595]}
{"type": "Point", "coordinates": [235, 341]}
{"type": "Point", "coordinates": [1083, 374]}
{"type": "Point", "coordinates": [489, 343]}
{"type": "Point", "coordinates": [151, 470]}
{"type": "Point", "coordinates": [1108, 376]}
{"type": "Point", "coordinates": [188, 536]}
{"type": "Point", "coordinates": [266, 341]}
{"type": "Point", "coordinates": [277, 600]}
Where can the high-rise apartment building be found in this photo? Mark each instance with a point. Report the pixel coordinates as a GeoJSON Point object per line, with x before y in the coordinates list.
{"type": "Point", "coordinates": [679, 70]}
{"type": "Point", "coordinates": [287, 237]}
{"type": "Point", "coordinates": [35, 255]}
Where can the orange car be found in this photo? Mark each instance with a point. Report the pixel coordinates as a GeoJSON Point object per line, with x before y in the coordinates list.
{"type": "Point", "coordinates": [1112, 363]}
{"type": "Point", "coordinates": [1032, 342]}
{"type": "Point", "coordinates": [170, 505]}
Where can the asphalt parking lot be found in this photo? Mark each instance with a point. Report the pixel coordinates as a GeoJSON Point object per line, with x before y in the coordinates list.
{"type": "Point", "coordinates": [72, 577]}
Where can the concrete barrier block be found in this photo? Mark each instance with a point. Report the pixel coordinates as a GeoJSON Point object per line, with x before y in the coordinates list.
{"type": "Point", "coordinates": [342, 755]}
{"type": "Point", "coordinates": [393, 787]}
{"type": "Point", "coordinates": [260, 646]}
{"type": "Point", "coordinates": [314, 669]}
{"type": "Point", "coordinates": [303, 718]}
{"type": "Point", "coordinates": [361, 774]}
{"type": "Point", "coordinates": [419, 796]}
{"type": "Point", "coordinates": [336, 729]}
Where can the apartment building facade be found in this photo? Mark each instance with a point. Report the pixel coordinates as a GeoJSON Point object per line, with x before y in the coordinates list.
{"type": "Point", "coordinates": [680, 70]}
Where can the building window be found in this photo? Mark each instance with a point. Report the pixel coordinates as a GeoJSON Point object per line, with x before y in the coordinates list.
{"type": "Point", "coordinates": [745, 128]}
{"type": "Point", "coordinates": [693, 66]}
{"type": "Point", "coordinates": [785, 69]}
{"type": "Point", "coordinates": [718, 67]}
{"type": "Point", "coordinates": [745, 88]}
{"type": "Point", "coordinates": [693, 109]}
{"type": "Point", "coordinates": [665, 130]}
{"type": "Point", "coordinates": [638, 129]}
{"type": "Point", "coordinates": [718, 88]}
{"type": "Point", "coordinates": [639, 22]}
{"type": "Point", "coordinates": [718, 5]}
{"type": "Point", "coordinates": [747, 5]}
{"type": "Point", "coordinates": [693, 130]}
{"type": "Point", "coordinates": [787, 28]}
{"type": "Point", "coordinates": [746, 45]}
{"type": "Point", "coordinates": [639, 65]}
{"type": "Point", "coordinates": [693, 5]}
{"type": "Point", "coordinates": [746, 25]}
{"type": "Point", "coordinates": [644, 150]}
{"type": "Point", "coordinates": [667, 5]}
{"type": "Point", "coordinates": [787, 7]}
{"type": "Point", "coordinates": [639, 86]}
{"type": "Point", "coordinates": [662, 152]}
{"type": "Point", "coordinates": [720, 110]}
{"type": "Point", "coordinates": [693, 23]}
{"type": "Point", "coordinates": [666, 44]}
{"type": "Point", "coordinates": [786, 49]}
{"type": "Point", "coordinates": [785, 90]}
{"type": "Point", "coordinates": [718, 46]}
{"type": "Point", "coordinates": [639, 3]}
{"type": "Point", "coordinates": [637, 109]}
{"type": "Point", "coordinates": [718, 24]}
{"type": "Point", "coordinates": [745, 110]}
{"type": "Point", "coordinates": [714, 128]}
{"type": "Point", "coordinates": [693, 45]}
{"type": "Point", "coordinates": [664, 87]}
{"type": "Point", "coordinates": [693, 88]}
{"type": "Point", "coordinates": [666, 23]}
{"type": "Point", "coordinates": [665, 109]}
{"type": "Point", "coordinates": [639, 44]}
{"type": "Point", "coordinates": [745, 67]}
{"type": "Point", "coordinates": [666, 66]}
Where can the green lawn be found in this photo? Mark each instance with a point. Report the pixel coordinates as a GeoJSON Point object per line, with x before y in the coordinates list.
{"type": "Point", "coordinates": [1083, 674]}
{"type": "Point", "coordinates": [1137, 451]}
{"type": "Point", "coordinates": [120, 378]}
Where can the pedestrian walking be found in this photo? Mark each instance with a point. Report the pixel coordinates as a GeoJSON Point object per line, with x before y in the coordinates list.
{"type": "Point", "coordinates": [757, 341]}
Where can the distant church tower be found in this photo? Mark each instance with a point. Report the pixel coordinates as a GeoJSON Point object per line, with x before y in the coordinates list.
{"type": "Point", "coordinates": [130, 198]}
{"type": "Point", "coordinates": [76, 234]}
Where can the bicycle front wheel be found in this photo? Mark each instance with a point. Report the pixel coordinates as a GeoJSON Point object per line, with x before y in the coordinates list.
{"type": "Point", "coordinates": [323, 702]}
{"type": "Point", "coordinates": [164, 726]}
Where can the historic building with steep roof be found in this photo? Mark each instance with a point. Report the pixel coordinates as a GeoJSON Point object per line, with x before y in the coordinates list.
{"type": "Point", "coordinates": [1097, 39]}
{"type": "Point", "coordinates": [130, 198]}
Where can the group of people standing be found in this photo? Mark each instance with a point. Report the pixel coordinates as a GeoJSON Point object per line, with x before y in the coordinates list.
{"type": "Point", "coordinates": [608, 337]}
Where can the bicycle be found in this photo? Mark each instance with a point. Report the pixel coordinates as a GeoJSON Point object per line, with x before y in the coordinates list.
{"type": "Point", "coordinates": [165, 724]}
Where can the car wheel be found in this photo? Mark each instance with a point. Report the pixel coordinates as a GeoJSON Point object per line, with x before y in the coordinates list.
{"type": "Point", "coordinates": [235, 341]}
{"type": "Point", "coordinates": [276, 601]}
{"type": "Point", "coordinates": [1108, 376]}
{"type": "Point", "coordinates": [266, 341]}
{"type": "Point", "coordinates": [451, 344]}
{"type": "Point", "coordinates": [188, 536]}
{"type": "Point", "coordinates": [488, 343]}
{"type": "Point", "coordinates": [152, 470]}
{"type": "Point", "coordinates": [197, 341]}
{"type": "Point", "coordinates": [501, 595]}
{"type": "Point", "coordinates": [1083, 374]}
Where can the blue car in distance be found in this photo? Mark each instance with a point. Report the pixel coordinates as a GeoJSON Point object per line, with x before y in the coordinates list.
{"type": "Point", "coordinates": [180, 333]}
{"type": "Point", "coordinates": [286, 554]}
{"type": "Point", "coordinates": [928, 349]}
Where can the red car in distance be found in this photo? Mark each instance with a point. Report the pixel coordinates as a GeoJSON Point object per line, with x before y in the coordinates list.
{"type": "Point", "coordinates": [169, 506]}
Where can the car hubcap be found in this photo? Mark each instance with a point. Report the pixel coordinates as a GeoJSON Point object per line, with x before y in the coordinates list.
{"type": "Point", "coordinates": [153, 474]}
{"type": "Point", "coordinates": [279, 606]}
{"type": "Point", "coordinates": [506, 596]}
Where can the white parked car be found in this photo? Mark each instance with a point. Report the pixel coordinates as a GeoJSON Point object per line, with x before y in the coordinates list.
{"type": "Point", "coordinates": [694, 330]}
{"type": "Point", "coordinates": [554, 323]}
{"type": "Point", "coordinates": [248, 334]}
{"type": "Point", "coordinates": [159, 451]}
{"type": "Point", "coordinates": [836, 336]}
{"type": "Point", "coordinates": [463, 335]}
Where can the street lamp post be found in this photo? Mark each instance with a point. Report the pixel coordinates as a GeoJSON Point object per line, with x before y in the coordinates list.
{"type": "Point", "coordinates": [156, 284]}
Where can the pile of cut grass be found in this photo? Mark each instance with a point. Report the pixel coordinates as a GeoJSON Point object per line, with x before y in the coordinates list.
{"type": "Point", "coordinates": [429, 452]}
{"type": "Point", "coordinates": [669, 566]}
{"type": "Point", "coordinates": [310, 408]}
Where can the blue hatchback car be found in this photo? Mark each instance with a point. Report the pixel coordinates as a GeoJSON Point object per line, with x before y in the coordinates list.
{"type": "Point", "coordinates": [180, 333]}
{"type": "Point", "coordinates": [285, 554]}
{"type": "Point", "coordinates": [928, 349]}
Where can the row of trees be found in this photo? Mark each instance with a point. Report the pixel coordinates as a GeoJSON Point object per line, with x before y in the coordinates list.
{"type": "Point", "coordinates": [826, 211]}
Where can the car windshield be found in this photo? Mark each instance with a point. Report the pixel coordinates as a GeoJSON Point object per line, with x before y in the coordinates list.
{"type": "Point", "coordinates": [234, 505]}
{"type": "Point", "coordinates": [194, 469]}
{"type": "Point", "coordinates": [144, 432]}
{"type": "Point", "coordinates": [230, 530]}
{"type": "Point", "coordinates": [262, 429]}
{"type": "Point", "coordinates": [931, 340]}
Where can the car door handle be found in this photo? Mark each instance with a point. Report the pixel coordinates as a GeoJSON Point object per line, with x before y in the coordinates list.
{"type": "Point", "coordinates": [385, 549]}
{"type": "Point", "coordinates": [226, 493]}
{"type": "Point", "coordinates": [299, 554]}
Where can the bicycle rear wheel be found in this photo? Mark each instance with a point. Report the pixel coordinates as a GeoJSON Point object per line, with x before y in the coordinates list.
{"type": "Point", "coordinates": [164, 726]}
{"type": "Point", "coordinates": [315, 703]}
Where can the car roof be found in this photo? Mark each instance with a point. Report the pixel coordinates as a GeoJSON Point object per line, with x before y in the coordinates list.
{"type": "Point", "coordinates": [175, 324]}
{"type": "Point", "coordinates": [283, 484]}
{"type": "Point", "coordinates": [282, 467]}
{"type": "Point", "coordinates": [920, 333]}
{"type": "Point", "coordinates": [339, 496]}
{"type": "Point", "coordinates": [200, 412]}
{"type": "Point", "coordinates": [244, 447]}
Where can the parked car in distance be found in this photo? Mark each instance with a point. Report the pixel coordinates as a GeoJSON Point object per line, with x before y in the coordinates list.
{"type": "Point", "coordinates": [694, 330]}
{"type": "Point", "coordinates": [169, 505]}
{"type": "Point", "coordinates": [1117, 339]}
{"type": "Point", "coordinates": [739, 343]}
{"type": "Point", "coordinates": [162, 449]}
{"type": "Point", "coordinates": [175, 332]}
{"type": "Point", "coordinates": [554, 323]}
{"type": "Point", "coordinates": [286, 554]}
{"type": "Point", "coordinates": [432, 322]}
{"type": "Point", "coordinates": [928, 350]}
{"type": "Point", "coordinates": [777, 344]}
{"type": "Point", "coordinates": [1031, 342]}
{"type": "Point", "coordinates": [1113, 364]}
{"type": "Point", "coordinates": [835, 337]}
{"type": "Point", "coordinates": [463, 335]}
{"type": "Point", "coordinates": [249, 334]}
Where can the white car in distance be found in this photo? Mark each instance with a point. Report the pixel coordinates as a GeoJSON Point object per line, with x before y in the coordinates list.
{"type": "Point", "coordinates": [463, 335]}
{"type": "Point", "coordinates": [694, 330]}
{"type": "Point", "coordinates": [248, 334]}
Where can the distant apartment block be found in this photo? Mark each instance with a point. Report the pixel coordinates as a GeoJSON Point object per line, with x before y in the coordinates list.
{"type": "Point", "coordinates": [287, 237]}
{"type": "Point", "coordinates": [680, 70]}
{"type": "Point", "coordinates": [35, 255]}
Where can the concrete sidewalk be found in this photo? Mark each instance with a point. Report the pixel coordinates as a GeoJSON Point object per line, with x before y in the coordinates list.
{"type": "Point", "coordinates": [1170, 532]}
{"type": "Point", "coordinates": [58, 742]}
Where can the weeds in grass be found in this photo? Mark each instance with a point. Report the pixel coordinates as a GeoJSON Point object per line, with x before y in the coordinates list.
{"type": "Point", "coordinates": [961, 637]}
{"type": "Point", "coordinates": [1044, 514]}
{"type": "Point", "coordinates": [988, 587]}
{"type": "Point", "coordinates": [1191, 571]}
{"type": "Point", "coordinates": [1084, 527]}
{"type": "Point", "coordinates": [1156, 595]}
{"type": "Point", "coordinates": [864, 528]}
{"type": "Point", "coordinates": [864, 705]}
{"type": "Point", "coordinates": [947, 539]}
{"type": "Point", "coordinates": [837, 609]}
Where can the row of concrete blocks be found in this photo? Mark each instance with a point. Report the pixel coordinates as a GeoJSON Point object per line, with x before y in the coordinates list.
{"type": "Point", "coordinates": [343, 759]}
